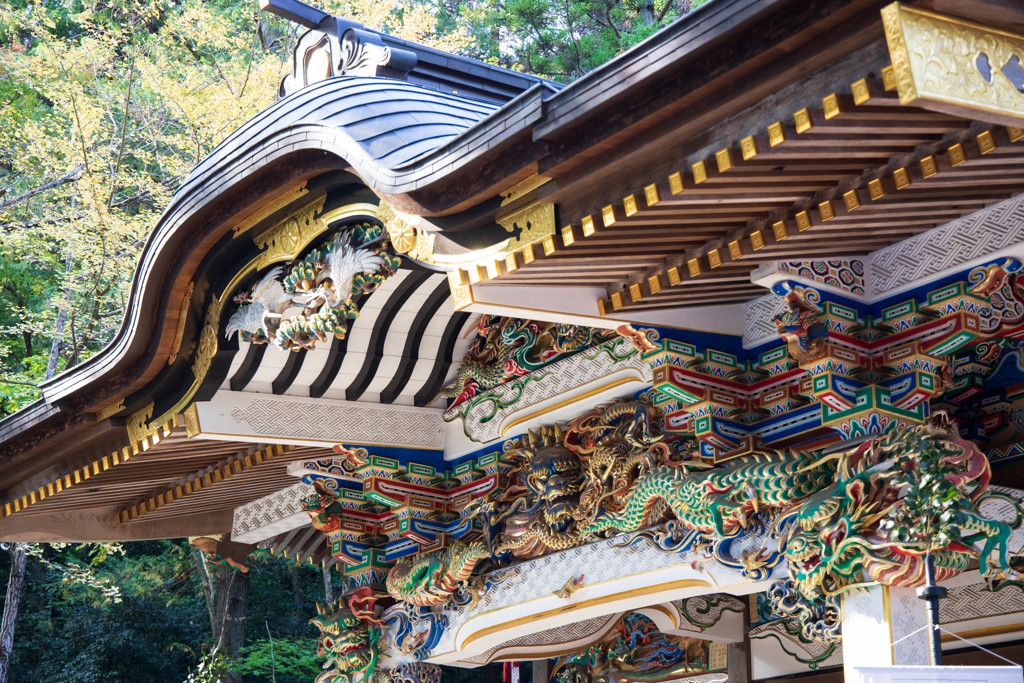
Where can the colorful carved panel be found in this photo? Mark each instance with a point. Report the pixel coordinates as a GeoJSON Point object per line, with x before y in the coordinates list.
{"type": "Point", "coordinates": [506, 348]}
{"type": "Point", "coordinates": [322, 285]}
{"type": "Point", "coordinates": [635, 650]}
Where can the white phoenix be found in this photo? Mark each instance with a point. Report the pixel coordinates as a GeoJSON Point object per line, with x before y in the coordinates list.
{"type": "Point", "coordinates": [269, 301]}
{"type": "Point", "coordinates": [343, 264]}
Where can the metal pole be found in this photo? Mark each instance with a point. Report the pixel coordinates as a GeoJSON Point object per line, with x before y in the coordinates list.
{"type": "Point", "coordinates": [931, 594]}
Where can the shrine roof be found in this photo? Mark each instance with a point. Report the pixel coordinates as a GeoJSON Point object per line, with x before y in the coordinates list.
{"type": "Point", "coordinates": [669, 195]}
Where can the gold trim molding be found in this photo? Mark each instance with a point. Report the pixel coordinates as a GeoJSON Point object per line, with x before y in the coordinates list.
{"type": "Point", "coordinates": [191, 416]}
{"type": "Point", "coordinates": [953, 66]}
{"type": "Point", "coordinates": [109, 411]}
{"type": "Point", "coordinates": [261, 214]}
{"type": "Point", "coordinates": [405, 238]}
{"type": "Point", "coordinates": [462, 294]}
{"type": "Point", "coordinates": [182, 319]}
{"type": "Point", "coordinates": [286, 238]}
{"type": "Point", "coordinates": [83, 474]}
{"type": "Point", "coordinates": [137, 423]}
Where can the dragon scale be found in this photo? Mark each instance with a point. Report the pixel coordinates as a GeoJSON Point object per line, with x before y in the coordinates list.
{"type": "Point", "coordinates": [718, 501]}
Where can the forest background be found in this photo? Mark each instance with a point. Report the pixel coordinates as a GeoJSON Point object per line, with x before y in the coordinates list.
{"type": "Point", "coordinates": [105, 107]}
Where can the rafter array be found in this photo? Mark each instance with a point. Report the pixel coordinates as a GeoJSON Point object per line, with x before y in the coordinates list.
{"type": "Point", "coordinates": [856, 173]}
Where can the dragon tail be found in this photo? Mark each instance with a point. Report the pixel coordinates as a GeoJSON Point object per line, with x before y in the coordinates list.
{"type": "Point", "coordinates": [461, 559]}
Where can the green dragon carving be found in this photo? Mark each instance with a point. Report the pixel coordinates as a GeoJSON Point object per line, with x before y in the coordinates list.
{"type": "Point", "coordinates": [722, 500]}
{"type": "Point", "coordinates": [616, 443]}
{"type": "Point", "coordinates": [429, 579]}
{"type": "Point", "coordinates": [841, 520]}
{"type": "Point", "coordinates": [349, 638]}
{"type": "Point", "coordinates": [508, 347]}
{"type": "Point", "coordinates": [843, 536]}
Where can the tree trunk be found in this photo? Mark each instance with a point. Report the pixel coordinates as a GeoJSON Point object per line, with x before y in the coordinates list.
{"type": "Point", "coordinates": [328, 590]}
{"type": "Point", "coordinates": [229, 631]}
{"type": "Point", "coordinates": [647, 12]}
{"type": "Point", "coordinates": [17, 578]}
{"type": "Point", "coordinates": [296, 601]}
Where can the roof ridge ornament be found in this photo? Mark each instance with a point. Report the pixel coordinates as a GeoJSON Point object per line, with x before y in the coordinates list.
{"type": "Point", "coordinates": [336, 47]}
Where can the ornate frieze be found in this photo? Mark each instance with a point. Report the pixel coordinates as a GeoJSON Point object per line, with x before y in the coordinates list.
{"type": "Point", "coordinates": [955, 66]}
{"type": "Point", "coordinates": [396, 510]}
{"type": "Point", "coordinates": [845, 275]}
{"type": "Point", "coordinates": [490, 415]}
{"type": "Point", "coordinates": [283, 419]}
{"type": "Point", "coordinates": [506, 348]}
{"type": "Point", "coordinates": [759, 315]}
{"type": "Point", "coordinates": [959, 243]}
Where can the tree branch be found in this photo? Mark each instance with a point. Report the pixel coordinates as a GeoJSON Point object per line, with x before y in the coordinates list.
{"type": "Point", "coordinates": [18, 382]}
{"type": "Point", "coordinates": [68, 177]}
{"type": "Point", "coordinates": [124, 131]}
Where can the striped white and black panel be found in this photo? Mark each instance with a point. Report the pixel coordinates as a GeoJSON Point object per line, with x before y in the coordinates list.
{"type": "Point", "coordinates": [406, 344]}
{"type": "Point", "coordinates": [441, 352]}
{"type": "Point", "coordinates": [345, 361]}
{"type": "Point", "coordinates": [396, 341]}
{"type": "Point", "coordinates": [422, 347]}
{"type": "Point", "coordinates": [243, 366]}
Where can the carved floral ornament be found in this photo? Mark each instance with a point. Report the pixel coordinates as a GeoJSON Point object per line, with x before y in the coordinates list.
{"type": "Point", "coordinates": [405, 237]}
{"type": "Point", "coordinates": [948, 64]}
{"type": "Point", "coordinates": [344, 49]}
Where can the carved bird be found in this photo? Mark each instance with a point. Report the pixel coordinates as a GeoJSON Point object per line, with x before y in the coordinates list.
{"type": "Point", "coordinates": [268, 302]}
{"type": "Point", "coordinates": [344, 263]}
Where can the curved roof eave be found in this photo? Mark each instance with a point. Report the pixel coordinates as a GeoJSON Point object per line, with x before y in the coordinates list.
{"type": "Point", "coordinates": [462, 129]}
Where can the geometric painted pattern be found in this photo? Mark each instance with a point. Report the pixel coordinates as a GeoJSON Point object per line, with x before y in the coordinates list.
{"type": "Point", "coordinates": [362, 423]}
{"type": "Point", "coordinates": [954, 244]}
{"type": "Point", "coordinates": [975, 601]}
{"type": "Point", "coordinates": [269, 509]}
{"type": "Point", "coordinates": [759, 323]}
{"type": "Point", "coordinates": [846, 275]}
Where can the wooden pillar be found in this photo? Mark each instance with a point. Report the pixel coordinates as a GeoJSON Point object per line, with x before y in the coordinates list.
{"type": "Point", "coordinates": [739, 654]}
{"type": "Point", "coordinates": [541, 670]}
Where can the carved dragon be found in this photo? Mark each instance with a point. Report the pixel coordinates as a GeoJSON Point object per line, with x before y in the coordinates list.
{"type": "Point", "coordinates": [349, 639]}
{"type": "Point", "coordinates": [616, 443]}
{"type": "Point", "coordinates": [840, 537]}
{"type": "Point", "coordinates": [540, 521]}
{"type": "Point", "coordinates": [831, 515]}
{"type": "Point", "coordinates": [802, 327]}
{"type": "Point", "coordinates": [431, 579]}
{"type": "Point", "coordinates": [719, 501]}
{"type": "Point", "coordinates": [507, 347]}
